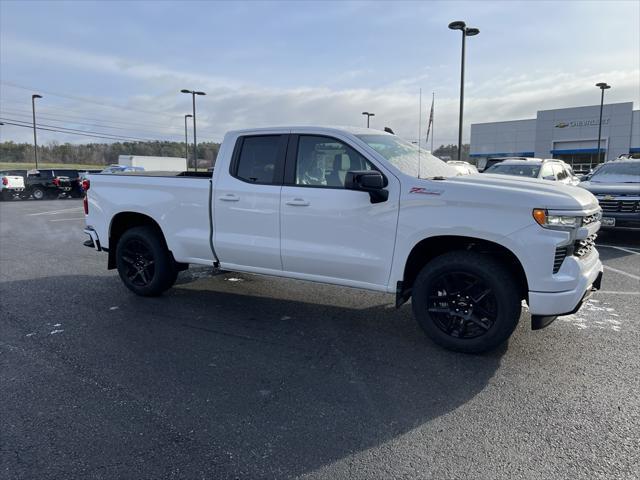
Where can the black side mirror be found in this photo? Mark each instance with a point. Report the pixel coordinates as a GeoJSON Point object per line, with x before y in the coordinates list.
{"type": "Point", "coordinates": [370, 181]}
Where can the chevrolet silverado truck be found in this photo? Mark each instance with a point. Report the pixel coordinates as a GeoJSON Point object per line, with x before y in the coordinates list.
{"type": "Point", "coordinates": [359, 208]}
{"type": "Point", "coordinates": [11, 184]}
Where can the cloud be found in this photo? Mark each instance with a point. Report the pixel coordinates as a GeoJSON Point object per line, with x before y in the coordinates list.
{"type": "Point", "coordinates": [234, 103]}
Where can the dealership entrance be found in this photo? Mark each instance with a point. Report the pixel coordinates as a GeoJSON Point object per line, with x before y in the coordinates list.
{"type": "Point", "coordinates": [581, 162]}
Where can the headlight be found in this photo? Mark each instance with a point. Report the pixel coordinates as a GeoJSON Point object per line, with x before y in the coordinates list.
{"type": "Point", "coordinates": [559, 222]}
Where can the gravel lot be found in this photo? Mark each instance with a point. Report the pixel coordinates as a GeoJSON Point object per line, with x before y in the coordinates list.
{"type": "Point", "coordinates": [238, 376]}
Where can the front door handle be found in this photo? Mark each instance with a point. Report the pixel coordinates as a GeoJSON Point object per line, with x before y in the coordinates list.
{"type": "Point", "coordinates": [298, 202]}
{"type": "Point", "coordinates": [229, 197]}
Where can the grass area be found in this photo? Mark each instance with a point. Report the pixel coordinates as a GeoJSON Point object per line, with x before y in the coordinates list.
{"type": "Point", "coordinates": [29, 166]}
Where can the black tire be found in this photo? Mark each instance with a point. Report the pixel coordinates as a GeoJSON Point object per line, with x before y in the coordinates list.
{"type": "Point", "coordinates": [466, 301]}
{"type": "Point", "coordinates": [38, 193]}
{"type": "Point", "coordinates": [144, 263]}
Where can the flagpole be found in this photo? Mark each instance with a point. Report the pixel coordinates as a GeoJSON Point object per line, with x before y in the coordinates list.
{"type": "Point", "coordinates": [433, 99]}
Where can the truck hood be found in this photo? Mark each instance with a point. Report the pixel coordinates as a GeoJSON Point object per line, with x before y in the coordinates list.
{"type": "Point", "coordinates": [520, 191]}
{"type": "Point", "coordinates": [598, 188]}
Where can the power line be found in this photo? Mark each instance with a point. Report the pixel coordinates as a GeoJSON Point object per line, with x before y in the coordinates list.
{"type": "Point", "coordinates": [53, 119]}
{"type": "Point", "coordinates": [53, 128]}
{"type": "Point", "coordinates": [82, 99]}
{"type": "Point", "coordinates": [43, 111]}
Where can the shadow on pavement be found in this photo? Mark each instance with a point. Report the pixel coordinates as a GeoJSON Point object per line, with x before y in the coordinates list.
{"type": "Point", "coordinates": [212, 382]}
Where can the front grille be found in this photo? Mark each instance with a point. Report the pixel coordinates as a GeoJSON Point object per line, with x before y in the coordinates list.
{"type": "Point", "coordinates": [582, 248]}
{"type": "Point", "coordinates": [619, 204]}
{"type": "Point", "coordinates": [589, 219]}
{"type": "Point", "coordinates": [561, 253]}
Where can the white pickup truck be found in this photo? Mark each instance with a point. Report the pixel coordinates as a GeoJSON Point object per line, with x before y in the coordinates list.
{"type": "Point", "coordinates": [10, 185]}
{"type": "Point", "coordinates": [359, 208]}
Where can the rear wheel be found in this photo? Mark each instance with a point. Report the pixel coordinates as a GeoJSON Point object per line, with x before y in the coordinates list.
{"type": "Point", "coordinates": [467, 302]}
{"type": "Point", "coordinates": [144, 262]}
{"type": "Point", "coordinates": [38, 193]}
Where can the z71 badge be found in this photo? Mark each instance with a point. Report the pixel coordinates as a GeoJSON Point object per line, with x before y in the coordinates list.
{"type": "Point", "coordinates": [425, 191]}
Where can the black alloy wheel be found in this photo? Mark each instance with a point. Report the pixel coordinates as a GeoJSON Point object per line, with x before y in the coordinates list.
{"type": "Point", "coordinates": [144, 262]}
{"type": "Point", "coordinates": [467, 301]}
{"type": "Point", "coordinates": [138, 257]}
{"type": "Point", "coordinates": [462, 305]}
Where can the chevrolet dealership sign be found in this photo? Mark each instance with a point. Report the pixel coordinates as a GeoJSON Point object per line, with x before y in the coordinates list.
{"type": "Point", "coordinates": [582, 123]}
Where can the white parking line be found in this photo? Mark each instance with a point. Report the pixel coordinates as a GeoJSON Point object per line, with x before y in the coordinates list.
{"type": "Point", "coordinates": [618, 293]}
{"type": "Point", "coordinates": [620, 248]}
{"type": "Point", "coordinates": [621, 272]}
{"type": "Point", "coordinates": [66, 219]}
{"type": "Point", "coordinates": [56, 212]}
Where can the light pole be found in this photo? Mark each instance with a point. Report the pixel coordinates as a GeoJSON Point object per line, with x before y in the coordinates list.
{"type": "Point", "coordinates": [466, 32]}
{"type": "Point", "coordinates": [369, 115]}
{"type": "Point", "coordinates": [35, 138]}
{"type": "Point", "coordinates": [186, 141]}
{"type": "Point", "coordinates": [195, 144]}
{"type": "Point", "coordinates": [602, 86]}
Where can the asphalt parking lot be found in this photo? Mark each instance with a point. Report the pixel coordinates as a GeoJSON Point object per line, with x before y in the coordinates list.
{"type": "Point", "coordinates": [238, 376]}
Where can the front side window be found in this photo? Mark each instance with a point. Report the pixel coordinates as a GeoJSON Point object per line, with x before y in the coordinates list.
{"type": "Point", "coordinates": [324, 162]}
{"type": "Point", "coordinates": [257, 159]}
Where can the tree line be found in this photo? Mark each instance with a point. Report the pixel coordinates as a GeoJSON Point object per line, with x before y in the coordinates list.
{"type": "Point", "coordinates": [107, 153]}
{"type": "Point", "coordinates": [104, 153]}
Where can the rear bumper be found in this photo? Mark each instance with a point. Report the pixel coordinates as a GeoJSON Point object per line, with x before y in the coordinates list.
{"type": "Point", "coordinates": [93, 241]}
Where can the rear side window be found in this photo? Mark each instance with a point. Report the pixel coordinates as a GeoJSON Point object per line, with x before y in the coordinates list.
{"type": "Point", "coordinates": [259, 159]}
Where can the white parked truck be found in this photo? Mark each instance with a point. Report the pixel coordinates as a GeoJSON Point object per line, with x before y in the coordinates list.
{"type": "Point", "coordinates": [10, 185]}
{"type": "Point", "coordinates": [359, 208]}
{"type": "Point", "coordinates": [162, 164]}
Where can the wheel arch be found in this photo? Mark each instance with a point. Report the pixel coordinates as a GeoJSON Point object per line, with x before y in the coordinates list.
{"type": "Point", "coordinates": [123, 221]}
{"type": "Point", "coordinates": [429, 248]}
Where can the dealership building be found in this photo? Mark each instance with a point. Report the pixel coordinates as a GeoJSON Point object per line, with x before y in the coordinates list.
{"type": "Point", "coordinates": [570, 134]}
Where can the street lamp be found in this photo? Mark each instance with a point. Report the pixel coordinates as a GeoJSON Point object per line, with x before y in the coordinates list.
{"type": "Point", "coordinates": [195, 144]}
{"type": "Point", "coordinates": [369, 115]}
{"type": "Point", "coordinates": [466, 32]}
{"type": "Point", "coordinates": [602, 86]}
{"type": "Point", "coordinates": [186, 141]}
{"type": "Point", "coordinates": [35, 138]}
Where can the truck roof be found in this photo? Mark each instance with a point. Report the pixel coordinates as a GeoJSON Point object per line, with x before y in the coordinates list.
{"type": "Point", "coordinates": [315, 128]}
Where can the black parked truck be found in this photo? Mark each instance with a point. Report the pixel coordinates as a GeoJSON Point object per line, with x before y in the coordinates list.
{"type": "Point", "coordinates": [50, 183]}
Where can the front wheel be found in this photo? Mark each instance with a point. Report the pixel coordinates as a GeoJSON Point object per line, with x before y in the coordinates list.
{"type": "Point", "coordinates": [466, 301]}
{"type": "Point", "coordinates": [38, 193]}
{"type": "Point", "coordinates": [144, 263]}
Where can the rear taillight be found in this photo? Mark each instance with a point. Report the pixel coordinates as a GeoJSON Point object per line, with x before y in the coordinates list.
{"type": "Point", "coordinates": [5, 181]}
{"type": "Point", "coordinates": [86, 184]}
{"type": "Point", "coordinates": [85, 204]}
{"type": "Point", "coordinates": [56, 181]}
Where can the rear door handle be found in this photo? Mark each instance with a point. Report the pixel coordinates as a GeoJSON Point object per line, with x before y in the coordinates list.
{"type": "Point", "coordinates": [298, 202]}
{"type": "Point", "coordinates": [229, 197]}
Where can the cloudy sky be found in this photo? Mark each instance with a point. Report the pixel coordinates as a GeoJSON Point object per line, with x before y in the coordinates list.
{"type": "Point", "coordinates": [116, 68]}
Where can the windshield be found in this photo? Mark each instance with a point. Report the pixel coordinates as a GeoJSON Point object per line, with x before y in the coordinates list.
{"type": "Point", "coordinates": [618, 173]}
{"type": "Point", "coordinates": [530, 171]}
{"type": "Point", "coordinates": [407, 158]}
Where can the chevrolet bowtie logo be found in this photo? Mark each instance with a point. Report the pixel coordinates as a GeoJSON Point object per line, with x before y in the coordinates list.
{"type": "Point", "coordinates": [609, 197]}
{"type": "Point", "coordinates": [561, 125]}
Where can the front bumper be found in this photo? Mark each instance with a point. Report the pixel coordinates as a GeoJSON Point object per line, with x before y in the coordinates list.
{"type": "Point", "coordinates": [546, 306]}
{"type": "Point", "coordinates": [624, 220]}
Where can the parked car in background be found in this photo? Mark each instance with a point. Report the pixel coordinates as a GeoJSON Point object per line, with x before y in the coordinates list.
{"type": "Point", "coordinates": [11, 184]}
{"type": "Point", "coordinates": [545, 169]}
{"type": "Point", "coordinates": [464, 168]}
{"type": "Point", "coordinates": [121, 169]}
{"type": "Point", "coordinates": [616, 185]}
